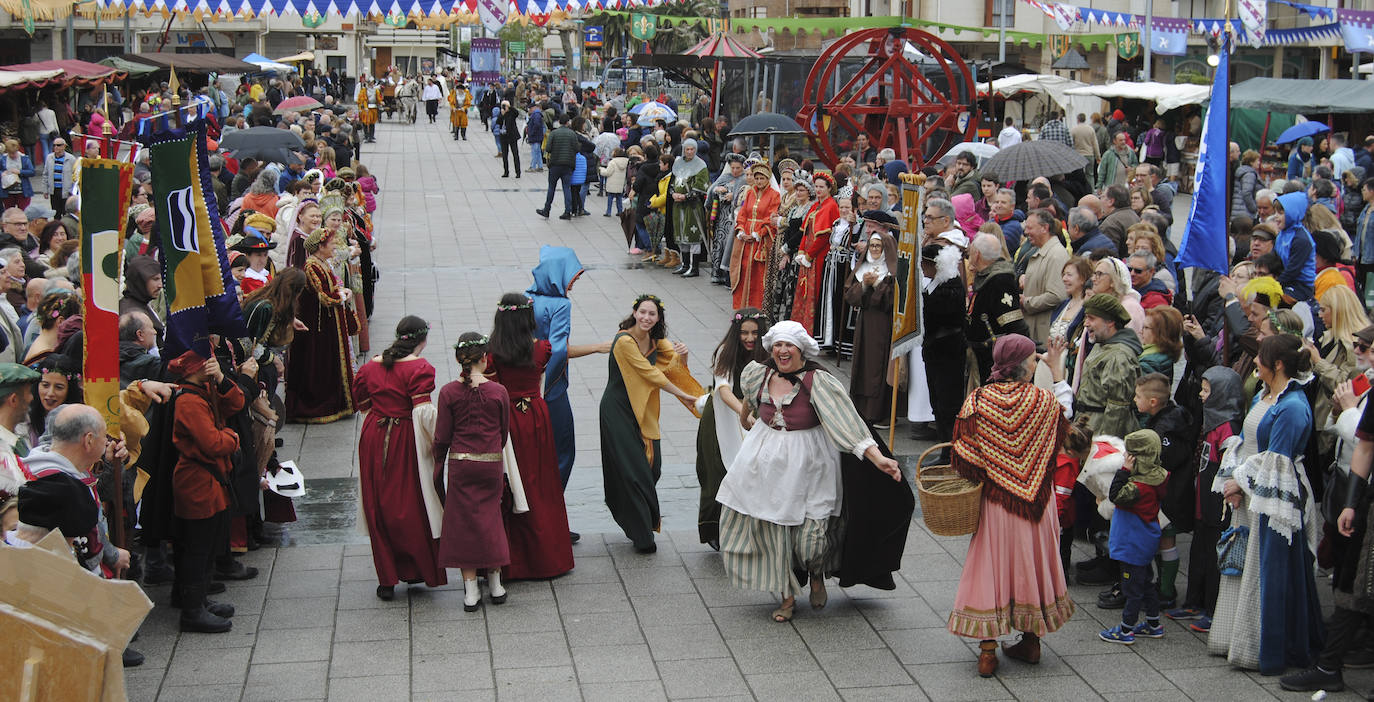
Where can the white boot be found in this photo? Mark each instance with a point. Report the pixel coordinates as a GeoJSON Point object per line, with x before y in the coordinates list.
{"type": "Point", "coordinates": [472, 597]}
{"type": "Point", "coordinates": [498, 592]}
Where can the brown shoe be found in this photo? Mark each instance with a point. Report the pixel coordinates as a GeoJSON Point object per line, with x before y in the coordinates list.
{"type": "Point", "coordinates": [1026, 650]}
{"type": "Point", "coordinates": [987, 658]}
{"type": "Point", "coordinates": [672, 259]}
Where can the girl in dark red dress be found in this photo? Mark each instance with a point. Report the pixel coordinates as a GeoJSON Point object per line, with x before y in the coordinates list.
{"type": "Point", "coordinates": [389, 389]}
{"type": "Point", "coordinates": [470, 430]}
{"type": "Point", "coordinates": [540, 546]}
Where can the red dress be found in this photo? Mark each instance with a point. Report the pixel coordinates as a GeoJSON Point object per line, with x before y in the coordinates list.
{"type": "Point", "coordinates": [319, 369]}
{"type": "Point", "coordinates": [749, 259]}
{"type": "Point", "coordinates": [540, 546]}
{"type": "Point", "coordinates": [388, 468]}
{"type": "Point", "coordinates": [814, 244]}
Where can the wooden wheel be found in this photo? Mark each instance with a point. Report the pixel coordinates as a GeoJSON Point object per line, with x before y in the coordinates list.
{"type": "Point", "coordinates": [919, 110]}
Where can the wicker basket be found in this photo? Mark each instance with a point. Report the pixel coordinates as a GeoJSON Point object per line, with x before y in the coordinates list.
{"type": "Point", "coordinates": [950, 504]}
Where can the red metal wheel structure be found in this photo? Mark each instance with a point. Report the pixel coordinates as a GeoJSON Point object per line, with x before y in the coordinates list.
{"type": "Point", "coordinates": [918, 110]}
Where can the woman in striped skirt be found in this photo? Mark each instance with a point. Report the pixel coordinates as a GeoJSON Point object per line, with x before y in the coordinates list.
{"type": "Point", "coordinates": [781, 496]}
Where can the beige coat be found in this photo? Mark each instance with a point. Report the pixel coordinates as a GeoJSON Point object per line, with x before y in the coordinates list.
{"type": "Point", "coordinates": [1044, 287]}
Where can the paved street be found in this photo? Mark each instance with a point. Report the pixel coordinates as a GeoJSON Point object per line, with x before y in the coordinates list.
{"type": "Point", "coordinates": [455, 235]}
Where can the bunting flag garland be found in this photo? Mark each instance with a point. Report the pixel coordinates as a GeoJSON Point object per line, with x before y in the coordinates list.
{"type": "Point", "coordinates": [1169, 36]}
{"type": "Point", "coordinates": [1313, 11]}
{"type": "Point", "coordinates": [200, 291]}
{"type": "Point", "coordinates": [1357, 28]}
{"type": "Point", "coordinates": [106, 186]}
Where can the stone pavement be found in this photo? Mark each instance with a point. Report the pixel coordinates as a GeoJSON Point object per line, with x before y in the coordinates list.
{"type": "Point", "coordinates": [454, 236]}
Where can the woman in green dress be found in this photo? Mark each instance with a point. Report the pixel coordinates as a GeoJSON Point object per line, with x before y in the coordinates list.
{"type": "Point", "coordinates": [720, 434]}
{"type": "Point", "coordinates": [642, 363]}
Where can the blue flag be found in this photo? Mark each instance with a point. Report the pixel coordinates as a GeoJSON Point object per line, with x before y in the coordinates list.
{"type": "Point", "coordinates": [1204, 239]}
{"type": "Point", "coordinates": [1169, 36]}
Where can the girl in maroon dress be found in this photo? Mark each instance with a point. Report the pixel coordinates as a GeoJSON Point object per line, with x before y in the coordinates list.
{"type": "Point", "coordinates": [389, 389]}
{"type": "Point", "coordinates": [472, 425]}
{"type": "Point", "coordinates": [540, 546]}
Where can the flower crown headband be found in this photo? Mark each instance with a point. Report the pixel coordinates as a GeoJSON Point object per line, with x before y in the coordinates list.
{"type": "Point", "coordinates": [740, 316]}
{"type": "Point", "coordinates": [412, 336]}
{"type": "Point", "coordinates": [72, 377]}
{"type": "Point", "coordinates": [649, 296]}
{"type": "Point", "coordinates": [471, 343]}
{"type": "Point", "coordinates": [1279, 327]}
{"type": "Point", "coordinates": [527, 304]}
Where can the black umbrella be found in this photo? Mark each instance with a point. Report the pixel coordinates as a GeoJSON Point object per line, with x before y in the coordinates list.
{"type": "Point", "coordinates": [1031, 159]}
{"type": "Point", "coordinates": [766, 124]}
{"type": "Point", "coordinates": [263, 144]}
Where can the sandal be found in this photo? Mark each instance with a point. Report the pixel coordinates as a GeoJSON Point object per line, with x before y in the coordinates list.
{"type": "Point", "coordinates": [819, 597]}
{"type": "Point", "coordinates": [783, 614]}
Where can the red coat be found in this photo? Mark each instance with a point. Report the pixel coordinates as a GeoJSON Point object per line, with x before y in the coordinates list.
{"type": "Point", "coordinates": [205, 446]}
{"type": "Point", "coordinates": [1065, 476]}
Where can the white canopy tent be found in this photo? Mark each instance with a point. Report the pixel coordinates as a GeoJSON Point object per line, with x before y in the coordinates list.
{"type": "Point", "coordinates": [8, 78]}
{"type": "Point", "coordinates": [1054, 87]}
{"type": "Point", "coordinates": [267, 64]}
{"type": "Point", "coordinates": [1166, 96]}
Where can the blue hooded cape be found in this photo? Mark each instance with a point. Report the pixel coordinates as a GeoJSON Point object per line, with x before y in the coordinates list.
{"type": "Point", "coordinates": [558, 265]}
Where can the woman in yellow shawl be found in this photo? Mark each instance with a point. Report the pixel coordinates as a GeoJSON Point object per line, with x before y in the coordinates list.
{"type": "Point", "coordinates": [642, 362]}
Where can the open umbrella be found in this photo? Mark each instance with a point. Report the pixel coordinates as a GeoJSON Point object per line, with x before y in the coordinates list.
{"type": "Point", "coordinates": [980, 150]}
{"type": "Point", "coordinates": [300, 103]}
{"type": "Point", "coordinates": [263, 144]}
{"type": "Point", "coordinates": [1030, 159]}
{"type": "Point", "coordinates": [650, 111]}
{"type": "Point", "coordinates": [765, 124]}
{"type": "Point", "coordinates": [1300, 130]}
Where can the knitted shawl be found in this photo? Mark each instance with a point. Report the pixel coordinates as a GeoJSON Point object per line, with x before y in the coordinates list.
{"type": "Point", "coordinates": [1006, 437]}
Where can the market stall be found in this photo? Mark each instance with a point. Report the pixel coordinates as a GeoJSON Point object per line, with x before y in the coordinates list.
{"type": "Point", "coordinates": [1045, 89]}
{"type": "Point", "coordinates": [1165, 96]}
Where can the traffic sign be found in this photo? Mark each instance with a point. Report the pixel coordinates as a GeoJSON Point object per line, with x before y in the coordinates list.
{"type": "Point", "coordinates": [515, 47]}
{"type": "Point", "coordinates": [591, 36]}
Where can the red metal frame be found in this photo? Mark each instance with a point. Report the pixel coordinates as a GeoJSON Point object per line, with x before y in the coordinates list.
{"type": "Point", "coordinates": [909, 111]}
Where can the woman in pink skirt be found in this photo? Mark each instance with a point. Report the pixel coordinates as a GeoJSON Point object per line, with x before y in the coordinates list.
{"type": "Point", "coordinates": [1007, 437]}
{"type": "Point", "coordinates": [472, 425]}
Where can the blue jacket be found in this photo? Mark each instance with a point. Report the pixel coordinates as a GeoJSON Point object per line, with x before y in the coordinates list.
{"type": "Point", "coordinates": [1297, 163]}
{"type": "Point", "coordinates": [1364, 236]}
{"type": "Point", "coordinates": [1012, 231]}
{"type": "Point", "coordinates": [1093, 241]}
{"type": "Point", "coordinates": [25, 172]}
{"type": "Point", "coordinates": [1295, 246]}
{"type": "Point", "coordinates": [534, 128]}
{"type": "Point", "coordinates": [579, 174]}
{"type": "Point", "coordinates": [558, 266]}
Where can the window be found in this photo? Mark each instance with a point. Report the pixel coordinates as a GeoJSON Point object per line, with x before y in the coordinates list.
{"type": "Point", "coordinates": [754, 12]}
{"type": "Point", "coordinates": [994, 9]}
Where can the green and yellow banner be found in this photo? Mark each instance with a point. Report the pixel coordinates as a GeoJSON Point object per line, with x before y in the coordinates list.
{"type": "Point", "coordinates": [106, 186]}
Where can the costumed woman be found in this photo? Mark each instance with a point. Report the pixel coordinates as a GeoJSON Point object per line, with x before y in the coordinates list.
{"type": "Point", "coordinates": [554, 277]}
{"type": "Point", "coordinates": [871, 290]}
{"type": "Point", "coordinates": [319, 372]}
{"type": "Point", "coordinates": [469, 432]}
{"type": "Point", "coordinates": [810, 256]}
{"type": "Point", "coordinates": [723, 206]}
{"type": "Point", "coordinates": [1007, 437]}
{"type": "Point", "coordinates": [688, 210]}
{"type": "Point", "coordinates": [344, 264]}
{"type": "Point", "coordinates": [783, 271]}
{"type": "Point", "coordinates": [308, 219]}
{"type": "Point", "coordinates": [781, 497]}
{"type": "Point", "coordinates": [389, 389]}
{"type": "Point", "coordinates": [539, 541]}
{"type": "Point", "coordinates": [642, 362]}
{"type": "Point", "coordinates": [1268, 617]}
{"type": "Point", "coordinates": [720, 434]}
{"type": "Point", "coordinates": [755, 232]}
{"type": "Point", "coordinates": [834, 318]}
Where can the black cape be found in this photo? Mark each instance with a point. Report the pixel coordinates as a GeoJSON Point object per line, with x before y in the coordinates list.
{"type": "Point", "coordinates": [877, 514]}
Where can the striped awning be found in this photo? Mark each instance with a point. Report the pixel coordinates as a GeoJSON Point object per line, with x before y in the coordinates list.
{"type": "Point", "coordinates": [721, 45]}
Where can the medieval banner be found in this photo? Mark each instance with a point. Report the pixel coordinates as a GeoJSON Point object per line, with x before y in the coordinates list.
{"type": "Point", "coordinates": [106, 186]}
{"type": "Point", "coordinates": [1128, 45]}
{"type": "Point", "coordinates": [200, 291]}
{"type": "Point", "coordinates": [906, 300]}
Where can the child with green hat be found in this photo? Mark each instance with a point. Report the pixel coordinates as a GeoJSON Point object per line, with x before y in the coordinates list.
{"type": "Point", "coordinates": [1134, 539]}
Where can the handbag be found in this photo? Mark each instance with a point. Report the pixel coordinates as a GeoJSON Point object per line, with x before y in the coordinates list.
{"type": "Point", "coordinates": [1231, 550]}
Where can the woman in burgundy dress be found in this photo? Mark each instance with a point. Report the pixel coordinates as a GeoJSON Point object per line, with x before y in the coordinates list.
{"type": "Point", "coordinates": [319, 369]}
{"type": "Point", "coordinates": [470, 430]}
{"type": "Point", "coordinates": [540, 546]}
{"type": "Point", "coordinates": [388, 389]}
